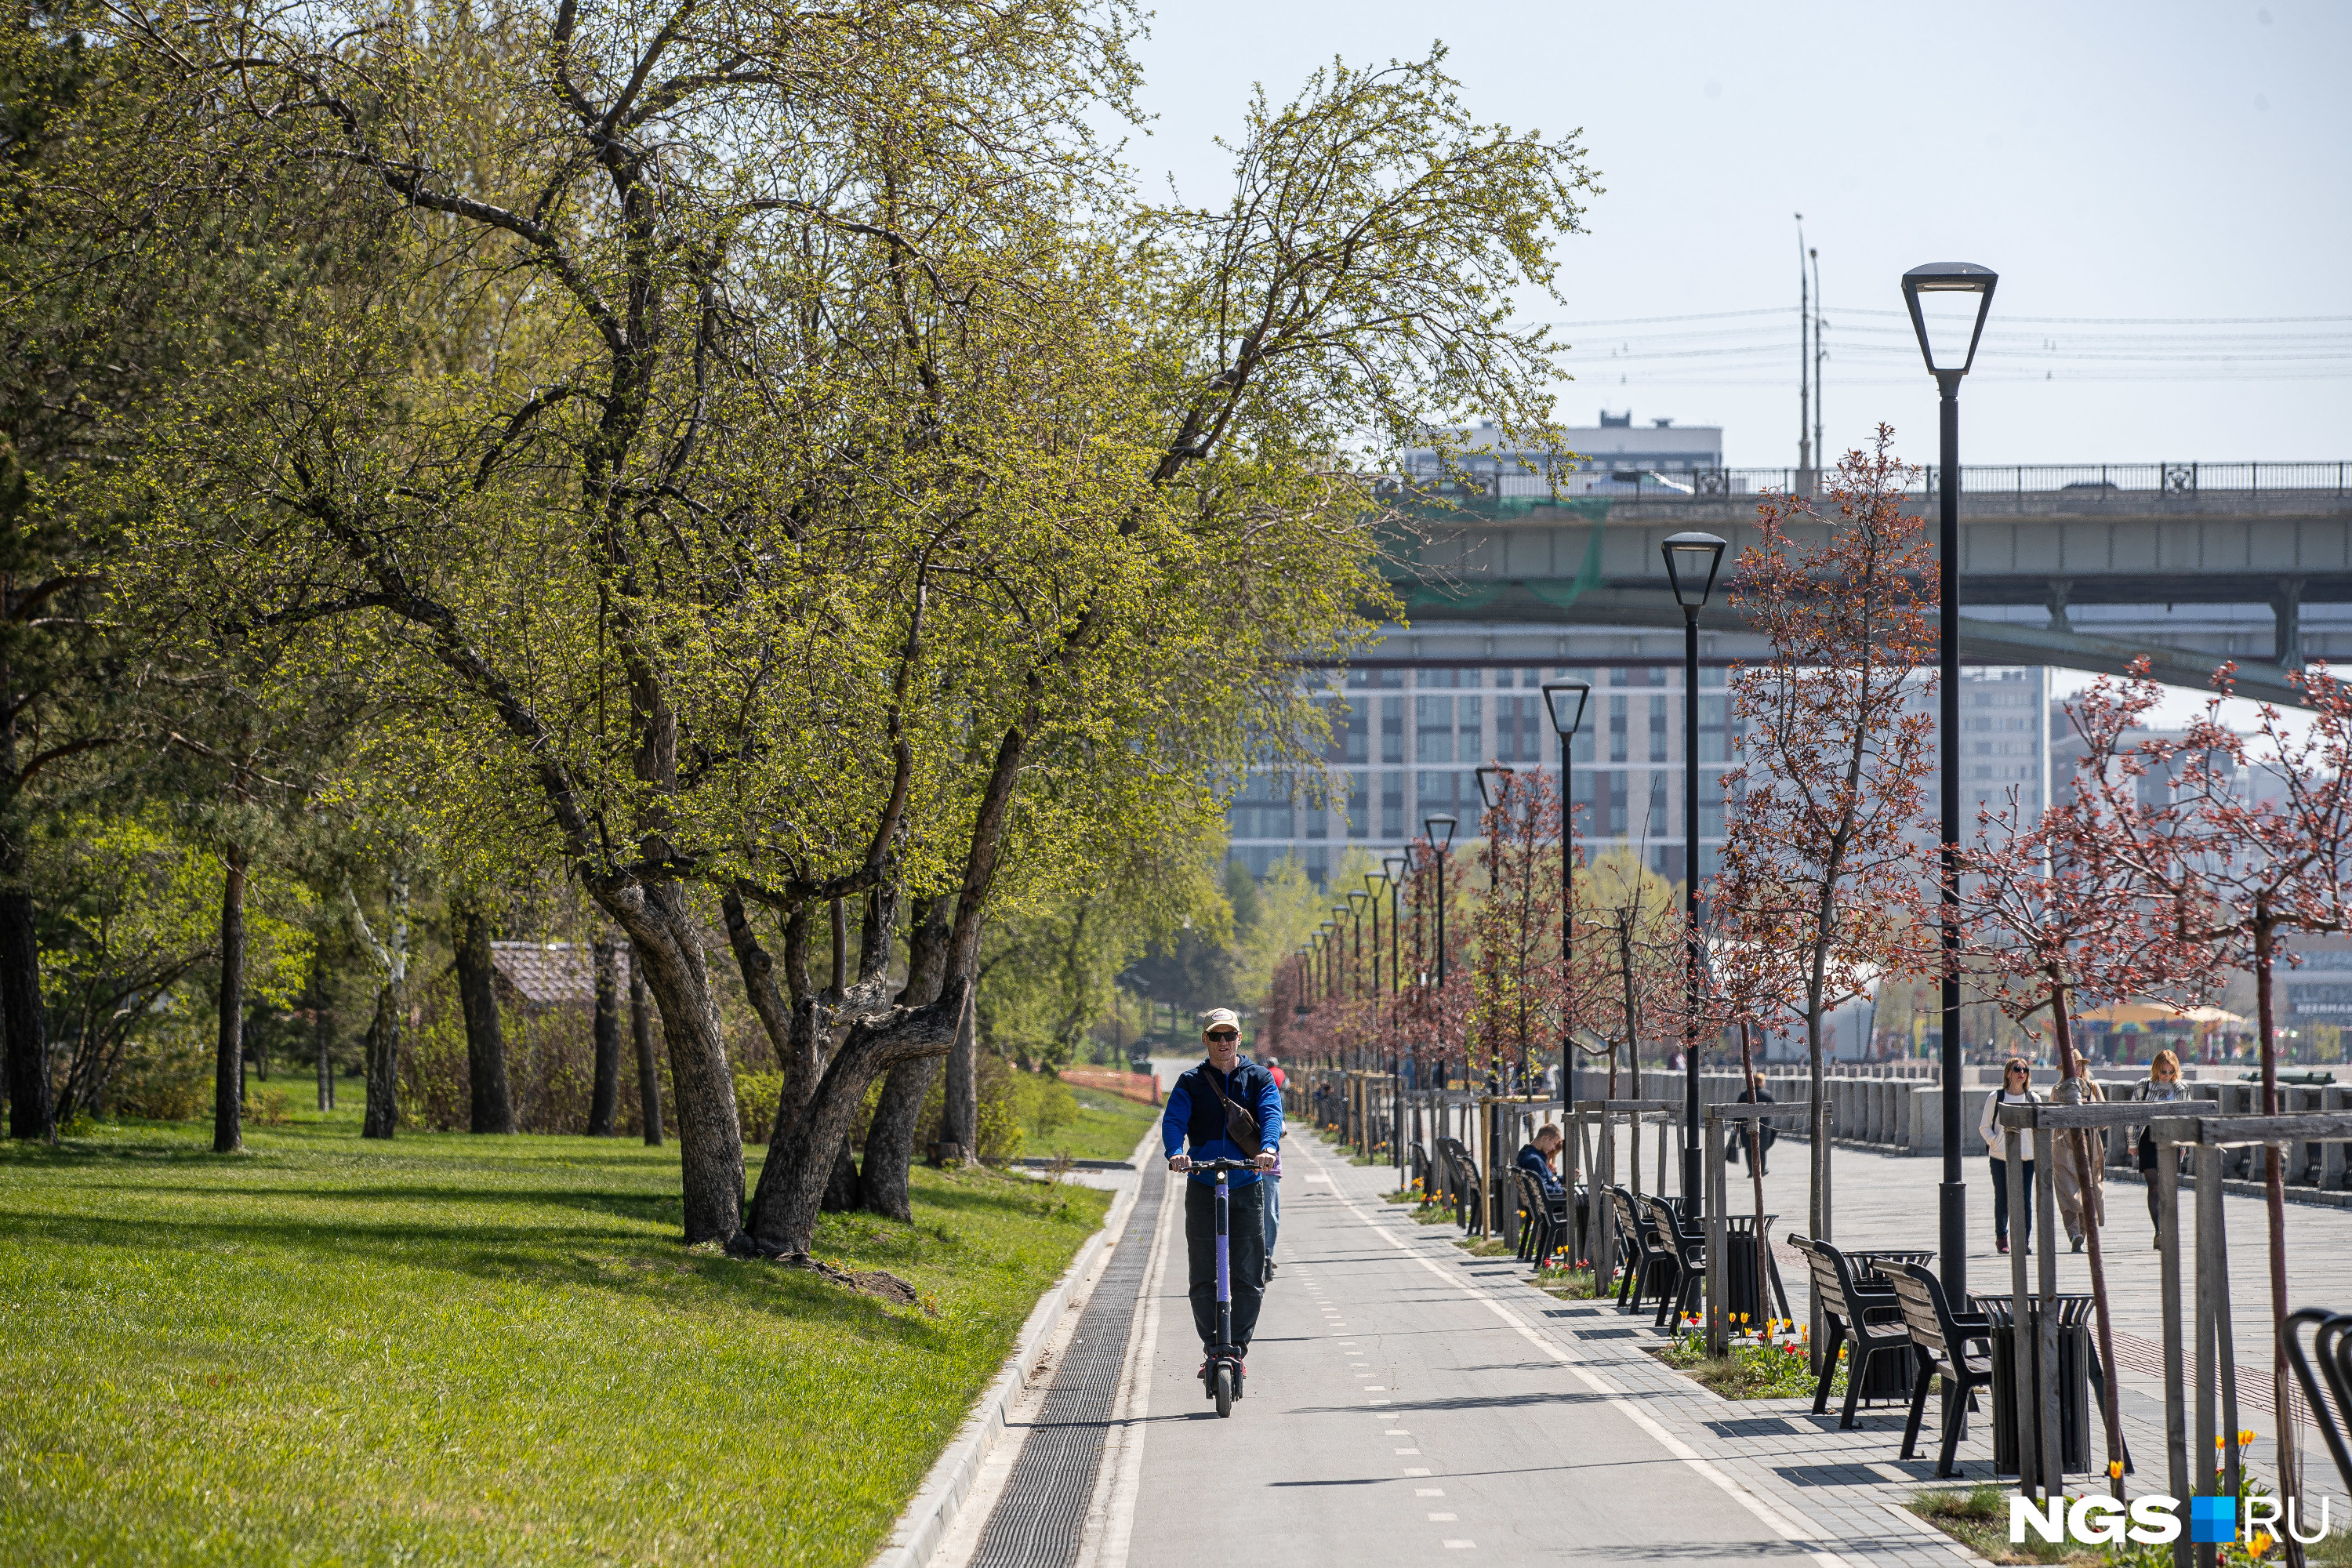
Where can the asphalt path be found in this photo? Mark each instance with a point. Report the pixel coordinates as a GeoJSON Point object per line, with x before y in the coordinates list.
{"type": "Point", "coordinates": [1398, 1409]}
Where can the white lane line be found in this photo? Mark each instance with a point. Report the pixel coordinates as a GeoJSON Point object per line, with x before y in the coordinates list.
{"type": "Point", "coordinates": [1806, 1541]}
{"type": "Point", "coordinates": [1110, 1514]}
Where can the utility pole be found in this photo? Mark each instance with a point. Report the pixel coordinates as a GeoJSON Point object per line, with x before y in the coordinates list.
{"type": "Point", "coordinates": [1804, 366]}
{"type": "Point", "coordinates": [1820, 390]}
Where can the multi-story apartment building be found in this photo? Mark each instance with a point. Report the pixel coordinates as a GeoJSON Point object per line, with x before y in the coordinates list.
{"type": "Point", "coordinates": [1413, 720]}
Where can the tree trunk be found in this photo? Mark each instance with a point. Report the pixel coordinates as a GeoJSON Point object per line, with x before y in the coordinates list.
{"type": "Point", "coordinates": [792, 1182]}
{"type": "Point", "coordinates": [883, 1182]}
{"type": "Point", "coordinates": [2078, 1144]}
{"type": "Point", "coordinates": [322, 1035]}
{"type": "Point", "coordinates": [228, 1059]}
{"type": "Point", "coordinates": [391, 1007]}
{"type": "Point", "coordinates": [383, 1118]}
{"type": "Point", "coordinates": [1756, 1159]}
{"type": "Point", "coordinates": [606, 1031]}
{"type": "Point", "coordinates": [2290, 1468]}
{"type": "Point", "coordinates": [842, 1191]}
{"type": "Point", "coordinates": [960, 1114]}
{"type": "Point", "coordinates": [31, 1112]}
{"type": "Point", "coordinates": [485, 1047]}
{"type": "Point", "coordinates": [641, 1031]}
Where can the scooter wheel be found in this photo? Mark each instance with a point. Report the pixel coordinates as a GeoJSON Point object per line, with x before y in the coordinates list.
{"type": "Point", "coordinates": [1225, 1391]}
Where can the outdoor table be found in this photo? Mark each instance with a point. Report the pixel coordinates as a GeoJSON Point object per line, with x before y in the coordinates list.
{"type": "Point", "coordinates": [2075, 1356]}
{"type": "Point", "coordinates": [1890, 1376]}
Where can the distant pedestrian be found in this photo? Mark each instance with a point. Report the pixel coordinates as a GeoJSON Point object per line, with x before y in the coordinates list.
{"type": "Point", "coordinates": [2163, 1087]}
{"type": "Point", "coordinates": [2016, 1089]}
{"type": "Point", "coordinates": [2081, 1208]}
{"type": "Point", "coordinates": [1765, 1135]}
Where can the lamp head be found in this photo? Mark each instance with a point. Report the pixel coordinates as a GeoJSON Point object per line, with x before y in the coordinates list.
{"type": "Point", "coordinates": [1494, 781]}
{"type": "Point", "coordinates": [1566, 700]}
{"type": "Point", "coordinates": [1440, 829]}
{"type": "Point", "coordinates": [1691, 562]}
{"type": "Point", "coordinates": [1396, 865]}
{"type": "Point", "coordinates": [1376, 880]}
{"type": "Point", "coordinates": [1949, 302]}
{"type": "Point", "coordinates": [1356, 897]}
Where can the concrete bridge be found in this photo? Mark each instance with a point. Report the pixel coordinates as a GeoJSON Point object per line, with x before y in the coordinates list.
{"type": "Point", "coordinates": [2039, 551]}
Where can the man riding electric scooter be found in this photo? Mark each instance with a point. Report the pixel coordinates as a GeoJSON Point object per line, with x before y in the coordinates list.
{"type": "Point", "coordinates": [1229, 1112]}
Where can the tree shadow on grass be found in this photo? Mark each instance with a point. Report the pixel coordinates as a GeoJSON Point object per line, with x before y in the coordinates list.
{"type": "Point", "coordinates": [538, 1257]}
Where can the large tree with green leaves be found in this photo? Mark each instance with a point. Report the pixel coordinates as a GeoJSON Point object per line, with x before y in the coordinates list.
{"type": "Point", "coordinates": [782, 466]}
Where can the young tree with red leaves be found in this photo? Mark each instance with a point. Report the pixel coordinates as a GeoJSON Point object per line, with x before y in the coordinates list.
{"type": "Point", "coordinates": [1518, 986]}
{"type": "Point", "coordinates": [2056, 907]}
{"type": "Point", "coordinates": [1628, 956]}
{"type": "Point", "coordinates": [2246, 871]}
{"type": "Point", "coordinates": [1824, 840]}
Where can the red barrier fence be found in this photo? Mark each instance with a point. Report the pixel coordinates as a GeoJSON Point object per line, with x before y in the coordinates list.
{"type": "Point", "coordinates": [1140, 1086]}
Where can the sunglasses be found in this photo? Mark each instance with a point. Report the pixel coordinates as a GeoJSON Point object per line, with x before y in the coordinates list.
{"type": "Point", "coordinates": [1225, 1034]}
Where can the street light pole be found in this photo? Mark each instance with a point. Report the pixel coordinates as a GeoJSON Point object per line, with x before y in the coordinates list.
{"type": "Point", "coordinates": [1957, 295]}
{"type": "Point", "coordinates": [1565, 699]}
{"type": "Point", "coordinates": [1440, 829]}
{"type": "Point", "coordinates": [1692, 560]}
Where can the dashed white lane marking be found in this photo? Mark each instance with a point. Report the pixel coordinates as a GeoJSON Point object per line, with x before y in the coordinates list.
{"type": "Point", "coordinates": [1460, 1545]}
{"type": "Point", "coordinates": [1443, 1517]}
{"type": "Point", "coordinates": [1771, 1517]}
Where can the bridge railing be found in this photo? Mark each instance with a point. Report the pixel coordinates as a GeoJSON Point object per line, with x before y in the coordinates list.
{"type": "Point", "coordinates": [2091, 481]}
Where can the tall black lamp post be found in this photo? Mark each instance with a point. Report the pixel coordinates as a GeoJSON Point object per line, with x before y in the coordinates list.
{"type": "Point", "coordinates": [1949, 302]}
{"type": "Point", "coordinates": [1493, 788]}
{"type": "Point", "coordinates": [1692, 560]}
{"type": "Point", "coordinates": [1565, 699]}
{"type": "Point", "coordinates": [1440, 829]}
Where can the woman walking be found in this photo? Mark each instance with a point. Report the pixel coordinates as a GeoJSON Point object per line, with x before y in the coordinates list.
{"type": "Point", "coordinates": [2016, 1089]}
{"type": "Point", "coordinates": [2163, 1086]}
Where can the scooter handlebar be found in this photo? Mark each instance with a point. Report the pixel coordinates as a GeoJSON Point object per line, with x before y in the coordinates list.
{"type": "Point", "coordinates": [1220, 1165]}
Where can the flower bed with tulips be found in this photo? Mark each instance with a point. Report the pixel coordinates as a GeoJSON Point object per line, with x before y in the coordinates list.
{"type": "Point", "coordinates": [1767, 1362]}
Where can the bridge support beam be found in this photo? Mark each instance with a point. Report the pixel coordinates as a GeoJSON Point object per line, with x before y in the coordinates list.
{"type": "Point", "coordinates": [2288, 609]}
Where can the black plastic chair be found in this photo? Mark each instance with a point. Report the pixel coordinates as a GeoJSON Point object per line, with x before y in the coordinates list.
{"type": "Point", "coordinates": [1866, 1319]}
{"type": "Point", "coordinates": [1687, 1247]}
{"type": "Point", "coordinates": [1942, 1338]}
{"type": "Point", "coordinates": [1637, 1257]}
{"type": "Point", "coordinates": [2332, 1348]}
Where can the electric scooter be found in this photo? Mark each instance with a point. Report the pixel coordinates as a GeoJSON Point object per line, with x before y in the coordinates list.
{"type": "Point", "coordinates": [1220, 1377]}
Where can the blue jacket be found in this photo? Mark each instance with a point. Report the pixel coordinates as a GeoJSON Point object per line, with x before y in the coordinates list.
{"type": "Point", "coordinates": [1531, 1161]}
{"type": "Point", "coordinates": [1195, 1112]}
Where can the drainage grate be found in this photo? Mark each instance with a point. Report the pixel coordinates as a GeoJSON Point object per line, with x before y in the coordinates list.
{"type": "Point", "coordinates": [1606, 1334]}
{"type": "Point", "coordinates": [1038, 1521]}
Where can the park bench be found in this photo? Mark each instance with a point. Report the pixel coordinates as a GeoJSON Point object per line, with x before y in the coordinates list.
{"type": "Point", "coordinates": [1866, 1317]}
{"type": "Point", "coordinates": [1686, 1243]}
{"type": "Point", "coordinates": [1943, 1338]}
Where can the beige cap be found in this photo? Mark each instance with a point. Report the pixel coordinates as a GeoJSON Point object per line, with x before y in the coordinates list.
{"type": "Point", "coordinates": [1220, 1017]}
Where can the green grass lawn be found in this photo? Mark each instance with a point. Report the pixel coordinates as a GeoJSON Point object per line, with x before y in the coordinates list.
{"type": "Point", "coordinates": [1106, 1128]}
{"type": "Point", "coordinates": [457, 1350]}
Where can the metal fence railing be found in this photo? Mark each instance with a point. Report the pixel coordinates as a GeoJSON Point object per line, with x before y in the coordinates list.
{"type": "Point", "coordinates": [2088, 480]}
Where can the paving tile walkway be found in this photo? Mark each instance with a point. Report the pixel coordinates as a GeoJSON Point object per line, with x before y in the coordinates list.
{"type": "Point", "coordinates": [1408, 1402]}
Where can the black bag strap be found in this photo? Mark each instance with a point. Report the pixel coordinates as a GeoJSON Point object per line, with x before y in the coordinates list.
{"type": "Point", "coordinates": [1240, 1125]}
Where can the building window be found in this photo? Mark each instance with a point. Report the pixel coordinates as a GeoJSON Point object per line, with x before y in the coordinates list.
{"type": "Point", "coordinates": [1616, 728]}
{"type": "Point", "coordinates": [1360, 820]}
{"type": "Point", "coordinates": [1434, 728]}
{"type": "Point", "coordinates": [1391, 730]}
{"type": "Point", "coordinates": [1467, 731]}
{"type": "Point", "coordinates": [1392, 807]}
{"type": "Point", "coordinates": [1657, 728]}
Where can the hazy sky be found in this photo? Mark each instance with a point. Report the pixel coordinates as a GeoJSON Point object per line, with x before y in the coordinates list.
{"type": "Point", "coordinates": [2156, 161]}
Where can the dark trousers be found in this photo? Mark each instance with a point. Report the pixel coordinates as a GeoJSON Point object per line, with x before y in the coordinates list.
{"type": "Point", "coordinates": [1245, 1255]}
{"type": "Point", "coordinates": [2000, 1202]}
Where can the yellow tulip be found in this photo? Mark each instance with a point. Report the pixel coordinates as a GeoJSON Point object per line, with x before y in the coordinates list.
{"type": "Point", "coordinates": [2115, 1469]}
{"type": "Point", "coordinates": [2245, 1436]}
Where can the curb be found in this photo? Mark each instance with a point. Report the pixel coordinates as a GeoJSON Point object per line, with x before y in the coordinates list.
{"type": "Point", "coordinates": [931, 1512]}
